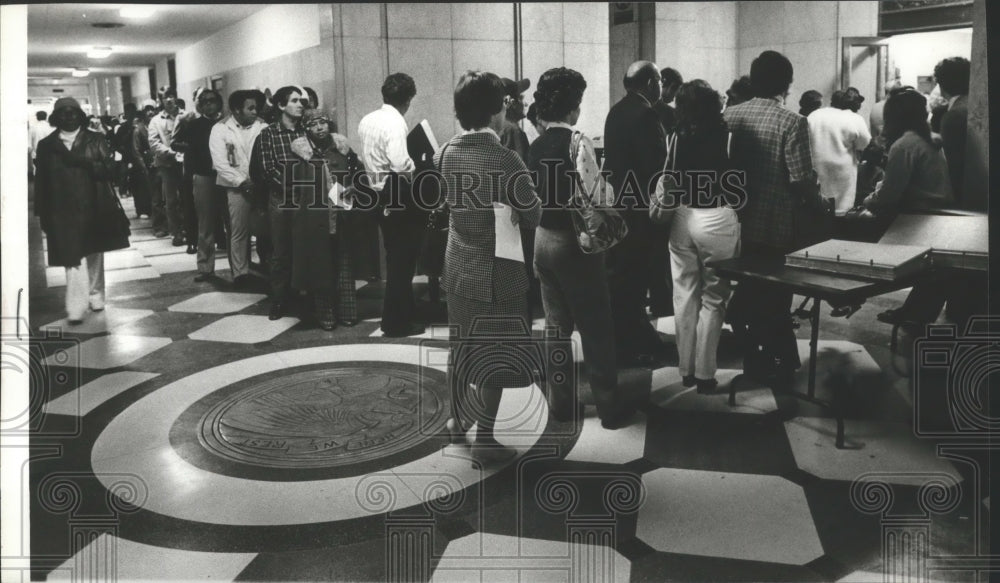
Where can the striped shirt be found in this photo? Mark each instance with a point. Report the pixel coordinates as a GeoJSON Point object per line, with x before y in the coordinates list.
{"type": "Point", "coordinates": [383, 145]}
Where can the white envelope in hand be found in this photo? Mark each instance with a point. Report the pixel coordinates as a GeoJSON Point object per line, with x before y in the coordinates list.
{"type": "Point", "coordinates": [508, 235]}
{"type": "Point", "coordinates": [338, 199]}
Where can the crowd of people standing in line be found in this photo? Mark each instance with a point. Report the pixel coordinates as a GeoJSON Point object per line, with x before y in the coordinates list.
{"type": "Point", "coordinates": [254, 177]}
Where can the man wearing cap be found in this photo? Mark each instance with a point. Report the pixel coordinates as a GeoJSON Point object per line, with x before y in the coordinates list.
{"type": "Point", "coordinates": [73, 201]}
{"type": "Point", "coordinates": [512, 136]}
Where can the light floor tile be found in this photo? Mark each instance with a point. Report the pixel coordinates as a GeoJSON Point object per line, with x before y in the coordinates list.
{"type": "Point", "coordinates": [244, 329]}
{"type": "Point", "coordinates": [83, 400]}
{"type": "Point", "coordinates": [132, 561]}
{"type": "Point", "coordinates": [95, 322]}
{"type": "Point", "coordinates": [217, 303]}
{"type": "Point", "coordinates": [669, 393]}
{"type": "Point", "coordinates": [181, 262]}
{"type": "Point", "coordinates": [437, 332]}
{"type": "Point", "coordinates": [597, 444]}
{"type": "Point", "coordinates": [837, 358]}
{"type": "Point", "coordinates": [124, 259]}
{"type": "Point", "coordinates": [108, 351]}
{"type": "Point", "coordinates": [132, 274]}
{"type": "Point", "coordinates": [871, 576]}
{"type": "Point", "coordinates": [156, 246]}
{"type": "Point", "coordinates": [668, 326]}
{"type": "Point", "coordinates": [727, 515]}
{"type": "Point", "coordinates": [496, 557]}
{"type": "Point", "coordinates": [360, 283]}
{"type": "Point", "coordinates": [888, 450]}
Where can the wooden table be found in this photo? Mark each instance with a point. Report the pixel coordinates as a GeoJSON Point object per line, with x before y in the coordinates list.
{"type": "Point", "coordinates": [841, 292]}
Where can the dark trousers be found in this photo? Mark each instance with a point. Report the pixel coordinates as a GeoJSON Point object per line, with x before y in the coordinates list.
{"type": "Point", "coordinates": [402, 235]}
{"type": "Point", "coordinates": [280, 272]}
{"type": "Point", "coordinates": [575, 295]}
{"type": "Point", "coordinates": [629, 263]}
{"type": "Point", "coordinates": [139, 185]}
{"type": "Point", "coordinates": [188, 209]}
{"type": "Point", "coordinates": [159, 206]}
{"type": "Point", "coordinates": [661, 288]}
{"type": "Point", "coordinates": [964, 292]}
{"type": "Point", "coordinates": [760, 314]}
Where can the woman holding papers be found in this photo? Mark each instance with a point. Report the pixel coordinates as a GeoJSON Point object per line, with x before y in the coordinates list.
{"type": "Point", "coordinates": [704, 228]}
{"type": "Point", "coordinates": [574, 285]}
{"type": "Point", "coordinates": [321, 261]}
{"type": "Point", "coordinates": [486, 284]}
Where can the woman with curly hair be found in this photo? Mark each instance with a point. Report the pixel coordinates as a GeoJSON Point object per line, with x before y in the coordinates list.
{"type": "Point", "coordinates": [703, 229]}
{"type": "Point", "coordinates": [574, 285]}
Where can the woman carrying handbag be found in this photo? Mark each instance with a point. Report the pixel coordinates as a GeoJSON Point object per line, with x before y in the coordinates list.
{"type": "Point", "coordinates": [77, 206]}
{"type": "Point", "coordinates": [704, 228]}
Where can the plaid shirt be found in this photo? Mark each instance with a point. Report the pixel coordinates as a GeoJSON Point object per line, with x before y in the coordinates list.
{"type": "Point", "coordinates": [275, 150]}
{"type": "Point", "coordinates": [470, 268]}
{"type": "Point", "coordinates": [772, 144]}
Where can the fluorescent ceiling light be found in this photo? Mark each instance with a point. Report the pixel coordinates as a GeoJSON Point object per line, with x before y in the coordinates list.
{"type": "Point", "coordinates": [137, 11]}
{"type": "Point", "coordinates": [99, 52]}
{"type": "Point", "coordinates": [81, 72]}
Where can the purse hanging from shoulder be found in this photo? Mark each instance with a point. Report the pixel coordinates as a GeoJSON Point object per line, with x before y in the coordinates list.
{"type": "Point", "coordinates": [598, 228]}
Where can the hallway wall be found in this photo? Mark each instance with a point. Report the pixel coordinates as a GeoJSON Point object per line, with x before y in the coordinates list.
{"type": "Point", "coordinates": [436, 43]}
{"type": "Point", "coordinates": [808, 33]}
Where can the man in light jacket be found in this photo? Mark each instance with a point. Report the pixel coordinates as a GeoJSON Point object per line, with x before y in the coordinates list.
{"type": "Point", "coordinates": [167, 204]}
{"type": "Point", "coordinates": [230, 144]}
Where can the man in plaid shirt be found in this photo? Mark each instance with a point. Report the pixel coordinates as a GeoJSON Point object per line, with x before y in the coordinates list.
{"type": "Point", "coordinates": [772, 144]}
{"type": "Point", "coordinates": [275, 151]}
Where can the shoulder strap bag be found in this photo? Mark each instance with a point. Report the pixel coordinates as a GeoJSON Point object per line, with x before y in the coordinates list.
{"type": "Point", "coordinates": [598, 227]}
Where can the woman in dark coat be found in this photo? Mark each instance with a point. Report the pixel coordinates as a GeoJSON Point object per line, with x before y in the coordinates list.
{"type": "Point", "coordinates": [487, 295]}
{"type": "Point", "coordinates": [324, 234]}
{"type": "Point", "coordinates": [77, 206]}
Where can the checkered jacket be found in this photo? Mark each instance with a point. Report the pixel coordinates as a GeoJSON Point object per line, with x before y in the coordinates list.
{"type": "Point", "coordinates": [772, 144]}
{"type": "Point", "coordinates": [275, 150]}
{"type": "Point", "coordinates": [479, 158]}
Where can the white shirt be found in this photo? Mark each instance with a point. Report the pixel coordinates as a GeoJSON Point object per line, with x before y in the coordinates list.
{"type": "Point", "coordinates": [230, 145]}
{"type": "Point", "coordinates": [39, 131]}
{"type": "Point", "coordinates": [68, 138]}
{"type": "Point", "coordinates": [383, 145]}
{"type": "Point", "coordinates": [837, 137]}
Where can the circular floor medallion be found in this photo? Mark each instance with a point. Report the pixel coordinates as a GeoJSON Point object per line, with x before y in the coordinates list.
{"type": "Point", "coordinates": [331, 417]}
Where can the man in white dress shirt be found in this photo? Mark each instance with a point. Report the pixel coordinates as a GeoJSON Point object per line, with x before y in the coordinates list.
{"type": "Point", "coordinates": [389, 169]}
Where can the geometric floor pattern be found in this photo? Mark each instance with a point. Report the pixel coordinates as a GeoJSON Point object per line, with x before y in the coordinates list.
{"type": "Point", "coordinates": [127, 480]}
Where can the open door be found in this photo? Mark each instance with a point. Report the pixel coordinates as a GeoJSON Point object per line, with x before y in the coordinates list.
{"type": "Point", "coordinates": [865, 65]}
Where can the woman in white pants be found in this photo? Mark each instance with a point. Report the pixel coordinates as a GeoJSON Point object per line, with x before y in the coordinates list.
{"type": "Point", "coordinates": [704, 228]}
{"type": "Point", "coordinates": [77, 206]}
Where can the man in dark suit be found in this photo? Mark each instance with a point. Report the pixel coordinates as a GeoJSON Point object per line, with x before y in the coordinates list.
{"type": "Point", "coordinates": [634, 150]}
{"type": "Point", "coordinates": [661, 285]}
{"type": "Point", "coordinates": [952, 76]}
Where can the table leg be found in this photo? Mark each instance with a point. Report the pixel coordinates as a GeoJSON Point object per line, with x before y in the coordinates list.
{"type": "Point", "coordinates": [813, 346]}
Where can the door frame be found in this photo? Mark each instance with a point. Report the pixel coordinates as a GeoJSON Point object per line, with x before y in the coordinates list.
{"type": "Point", "coordinates": [882, 47]}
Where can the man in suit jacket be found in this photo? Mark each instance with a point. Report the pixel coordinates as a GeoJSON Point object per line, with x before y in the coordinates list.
{"type": "Point", "coordinates": [634, 150]}
{"type": "Point", "coordinates": [952, 76]}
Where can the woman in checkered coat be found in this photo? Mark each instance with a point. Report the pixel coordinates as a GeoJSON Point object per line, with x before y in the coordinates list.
{"type": "Point", "coordinates": [487, 295]}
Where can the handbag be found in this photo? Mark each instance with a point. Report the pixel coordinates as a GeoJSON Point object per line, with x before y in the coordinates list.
{"type": "Point", "coordinates": [659, 213]}
{"type": "Point", "coordinates": [113, 228]}
{"type": "Point", "coordinates": [598, 228]}
{"type": "Point", "coordinates": [439, 218]}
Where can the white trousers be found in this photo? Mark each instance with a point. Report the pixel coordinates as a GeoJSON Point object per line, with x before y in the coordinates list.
{"type": "Point", "coordinates": [239, 232]}
{"type": "Point", "coordinates": [698, 236]}
{"type": "Point", "coordinates": [85, 286]}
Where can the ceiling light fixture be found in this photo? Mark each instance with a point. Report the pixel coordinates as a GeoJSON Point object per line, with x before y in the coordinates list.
{"type": "Point", "coordinates": [99, 52]}
{"type": "Point", "coordinates": [81, 72]}
{"type": "Point", "coordinates": [137, 11]}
